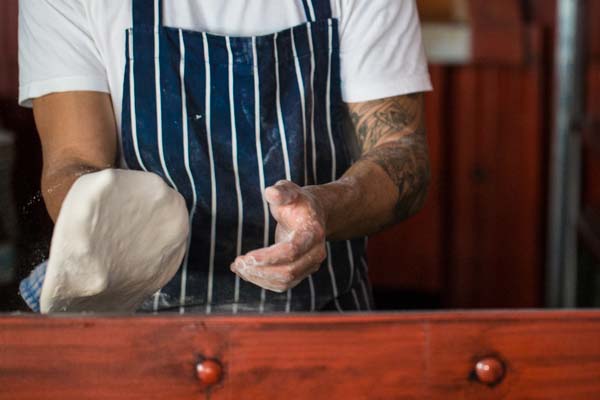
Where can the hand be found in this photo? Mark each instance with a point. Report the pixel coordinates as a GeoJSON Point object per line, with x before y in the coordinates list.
{"type": "Point", "coordinates": [299, 247]}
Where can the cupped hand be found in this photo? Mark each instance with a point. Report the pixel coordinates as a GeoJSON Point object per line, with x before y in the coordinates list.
{"type": "Point", "coordinates": [299, 247]}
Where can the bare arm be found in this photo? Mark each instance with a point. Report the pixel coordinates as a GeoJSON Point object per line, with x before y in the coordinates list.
{"type": "Point", "coordinates": [78, 135]}
{"type": "Point", "coordinates": [389, 182]}
{"type": "Point", "coordinates": [386, 185]}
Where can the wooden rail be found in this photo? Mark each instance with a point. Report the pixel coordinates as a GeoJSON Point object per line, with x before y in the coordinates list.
{"type": "Point", "coordinates": [442, 355]}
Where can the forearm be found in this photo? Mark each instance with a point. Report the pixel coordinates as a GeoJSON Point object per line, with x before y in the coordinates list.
{"type": "Point", "coordinates": [360, 203]}
{"type": "Point", "coordinates": [389, 182]}
{"type": "Point", "coordinates": [372, 196]}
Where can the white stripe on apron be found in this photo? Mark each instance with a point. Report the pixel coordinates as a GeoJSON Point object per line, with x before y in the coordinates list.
{"type": "Point", "coordinates": [132, 103]}
{"type": "Point", "coordinates": [311, 284]}
{"type": "Point", "coordinates": [284, 149]}
{"type": "Point", "coordinates": [333, 160]}
{"type": "Point", "coordinates": [213, 183]}
{"type": "Point", "coordinates": [186, 155]}
{"type": "Point", "coordinates": [234, 155]}
{"type": "Point", "coordinates": [261, 172]}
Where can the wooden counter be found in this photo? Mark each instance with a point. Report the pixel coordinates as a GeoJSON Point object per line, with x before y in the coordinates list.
{"type": "Point", "coordinates": [438, 355]}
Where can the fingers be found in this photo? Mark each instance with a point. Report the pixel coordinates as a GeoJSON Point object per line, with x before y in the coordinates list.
{"type": "Point", "coordinates": [279, 278]}
{"type": "Point", "coordinates": [282, 193]}
{"type": "Point", "coordinates": [284, 252]}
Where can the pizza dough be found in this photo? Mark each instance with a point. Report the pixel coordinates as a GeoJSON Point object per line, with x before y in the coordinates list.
{"type": "Point", "coordinates": [120, 236]}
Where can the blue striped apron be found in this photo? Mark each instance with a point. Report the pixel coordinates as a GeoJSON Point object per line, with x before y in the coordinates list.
{"type": "Point", "coordinates": [220, 118]}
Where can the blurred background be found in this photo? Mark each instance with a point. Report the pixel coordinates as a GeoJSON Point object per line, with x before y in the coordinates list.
{"type": "Point", "coordinates": [513, 214]}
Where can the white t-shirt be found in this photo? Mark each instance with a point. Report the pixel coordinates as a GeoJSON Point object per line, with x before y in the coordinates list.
{"type": "Point", "coordinates": [67, 45]}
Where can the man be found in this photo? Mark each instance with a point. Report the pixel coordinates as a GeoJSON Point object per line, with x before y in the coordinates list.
{"type": "Point", "coordinates": [241, 107]}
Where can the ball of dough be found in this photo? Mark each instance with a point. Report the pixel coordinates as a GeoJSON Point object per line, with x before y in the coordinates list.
{"type": "Point", "coordinates": [120, 236]}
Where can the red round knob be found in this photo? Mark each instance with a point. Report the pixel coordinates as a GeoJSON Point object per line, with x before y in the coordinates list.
{"type": "Point", "coordinates": [209, 372]}
{"type": "Point", "coordinates": [489, 370]}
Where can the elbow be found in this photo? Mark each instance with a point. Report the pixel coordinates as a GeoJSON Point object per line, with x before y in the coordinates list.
{"type": "Point", "coordinates": [56, 182]}
{"type": "Point", "coordinates": [413, 193]}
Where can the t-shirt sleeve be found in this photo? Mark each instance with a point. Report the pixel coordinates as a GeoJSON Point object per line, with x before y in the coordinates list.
{"type": "Point", "coordinates": [381, 49]}
{"type": "Point", "coordinates": [57, 52]}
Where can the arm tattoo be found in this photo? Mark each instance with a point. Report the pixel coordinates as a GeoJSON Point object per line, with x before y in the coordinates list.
{"type": "Point", "coordinates": [391, 133]}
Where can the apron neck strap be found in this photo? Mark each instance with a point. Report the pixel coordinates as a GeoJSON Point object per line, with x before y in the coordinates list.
{"type": "Point", "coordinates": [316, 10]}
{"type": "Point", "coordinates": [147, 12]}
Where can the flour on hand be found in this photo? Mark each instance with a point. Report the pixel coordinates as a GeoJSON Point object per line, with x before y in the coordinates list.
{"type": "Point", "coordinates": [120, 236]}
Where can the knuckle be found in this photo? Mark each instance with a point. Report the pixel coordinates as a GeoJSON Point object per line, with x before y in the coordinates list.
{"type": "Point", "coordinates": [322, 254]}
{"type": "Point", "coordinates": [319, 232]}
{"type": "Point", "coordinates": [294, 250]}
{"type": "Point", "coordinates": [287, 277]}
{"type": "Point", "coordinates": [287, 184]}
{"type": "Point", "coordinates": [289, 253]}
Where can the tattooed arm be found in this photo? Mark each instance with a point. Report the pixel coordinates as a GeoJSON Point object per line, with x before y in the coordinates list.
{"type": "Point", "coordinates": [392, 135]}
{"type": "Point", "coordinates": [386, 185]}
{"type": "Point", "coordinates": [389, 182]}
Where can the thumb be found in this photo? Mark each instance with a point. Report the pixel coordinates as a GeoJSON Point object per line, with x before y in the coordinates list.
{"type": "Point", "coordinates": [282, 193]}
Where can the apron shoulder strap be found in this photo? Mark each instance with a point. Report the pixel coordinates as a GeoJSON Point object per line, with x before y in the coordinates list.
{"type": "Point", "coordinates": [147, 12]}
{"type": "Point", "coordinates": [317, 10]}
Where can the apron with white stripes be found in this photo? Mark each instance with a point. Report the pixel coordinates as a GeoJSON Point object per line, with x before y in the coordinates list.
{"type": "Point", "coordinates": [220, 118]}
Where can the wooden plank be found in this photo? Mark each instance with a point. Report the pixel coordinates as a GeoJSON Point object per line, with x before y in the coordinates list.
{"type": "Point", "coordinates": [547, 354]}
{"type": "Point", "coordinates": [435, 10]}
{"type": "Point", "coordinates": [498, 32]}
{"type": "Point", "coordinates": [409, 255]}
{"type": "Point", "coordinates": [443, 10]}
{"type": "Point", "coordinates": [593, 14]}
{"type": "Point", "coordinates": [497, 185]}
{"type": "Point", "coordinates": [462, 282]}
{"type": "Point", "coordinates": [8, 48]}
{"type": "Point", "coordinates": [543, 12]}
{"type": "Point", "coordinates": [516, 244]}
{"type": "Point", "coordinates": [498, 45]}
{"type": "Point", "coordinates": [591, 189]}
{"type": "Point", "coordinates": [589, 230]}
{"type": "Point", "coordinates": [497, 13]}
{"type": "Point", "coordinates": [488, 188]}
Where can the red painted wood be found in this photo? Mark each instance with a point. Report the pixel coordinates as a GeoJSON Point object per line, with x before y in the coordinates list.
{"type": "Point", "coordinates": [507, 12]}
{"type": "Point", "coordinates": [589, 224]}
{"type": "Point", "coordinates": [543, 12]}
{"type": "Point", "coordinates": [498, 32]}
{"type": "Point", "coordinates": [591, 187]}
{"type": "Point", "coordinates": [410, 255]}
{"type": "Point", "coordinates": [497, 186]}
{"type": "Point", "coordinates": [379, 356]}
{"type": "Point", "coordinates": [8, 49]}
{"type": "Point", "coordinates": [589, 229]}
{"type": "Point", "coordinates": [465, 174]}
{"type": "Point", "coordinates": [593, 13]}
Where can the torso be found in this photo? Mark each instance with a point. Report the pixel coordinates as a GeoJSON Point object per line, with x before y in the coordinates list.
{"type": "Point", "coordinates": [222, 117]}
{"type": "Point", "coordinates": [224, 17]}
